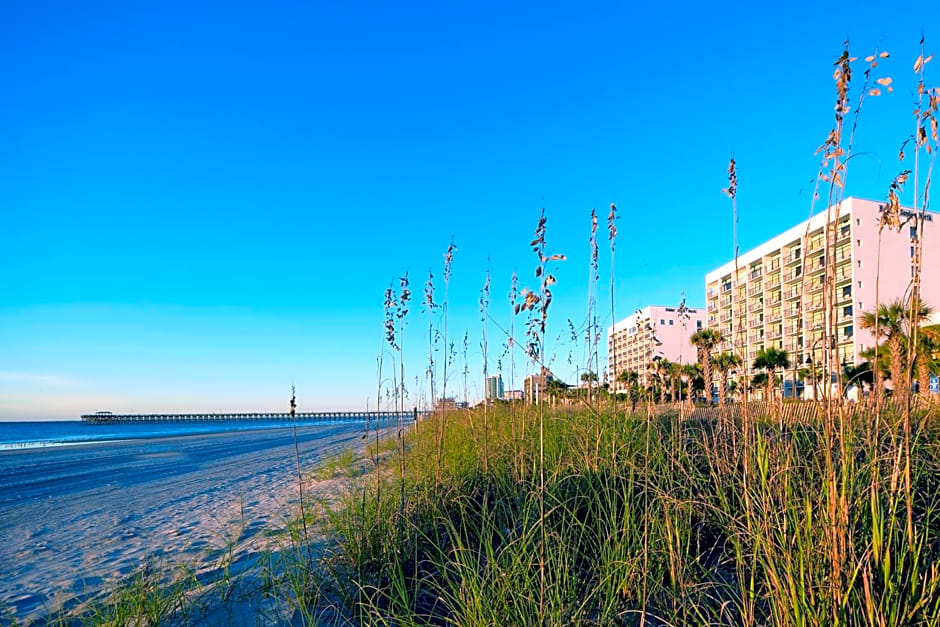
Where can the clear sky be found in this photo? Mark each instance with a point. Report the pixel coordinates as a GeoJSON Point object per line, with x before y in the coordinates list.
{"type": "Point", "coordinates": [199, 205]}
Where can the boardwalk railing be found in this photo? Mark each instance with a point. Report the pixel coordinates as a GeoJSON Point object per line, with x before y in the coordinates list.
{"type": "Point", "coordinates": [102, 418]}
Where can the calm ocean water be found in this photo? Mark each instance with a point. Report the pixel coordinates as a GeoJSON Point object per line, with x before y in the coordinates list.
{"type": "Point", "coordinates": [19, 435]}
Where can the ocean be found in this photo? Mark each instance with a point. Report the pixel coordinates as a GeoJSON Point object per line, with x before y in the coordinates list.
{"type": "Point", "coordinates": [29, 435]}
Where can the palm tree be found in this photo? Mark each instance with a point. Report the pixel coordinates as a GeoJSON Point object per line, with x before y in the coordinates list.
{"type": "Point", "coordinates": [893, 322]}
{"type": "Point", "coordinates": [668, 372]}
{"type": "Point", "coordinates": [706, 340]}
{"type": "Point", "coordinates": [768, 360]}
{"type": "Point", "coordinates": [724, 363]}
{"type": "Point", "coordinates": [628, 377]}
{"type": "Point", "coordinates": [759, 380]}
{"type": "Point", "coordinates": [631, 379]}
{"type": "Point", "coordinates": [692, 373]}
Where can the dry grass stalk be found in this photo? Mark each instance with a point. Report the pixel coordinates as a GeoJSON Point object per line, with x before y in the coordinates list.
{"type": "Point", "coordinates": [612, 237]}
{"type": "Point", "coordinates": [401, 311]}
{"type": "Point", "coordinates": [539, 303]}
{"type": "Point", "coordinates": [926, 137]}
{"type": "Point", "coordinates": [484, 312]}
{"type": "Point", "coordinates": [448, 261]}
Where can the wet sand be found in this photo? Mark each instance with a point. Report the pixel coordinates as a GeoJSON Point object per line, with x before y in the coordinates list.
{"type": "Point", "coordinates": [74, 518]}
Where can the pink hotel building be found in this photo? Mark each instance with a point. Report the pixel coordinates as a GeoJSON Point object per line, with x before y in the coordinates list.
{"type": "Point", "coordinates": [650, 333]}
{"type": "Point", "coordinates": [777, 299]}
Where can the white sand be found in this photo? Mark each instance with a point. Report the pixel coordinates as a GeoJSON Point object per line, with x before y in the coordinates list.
{"type": "Point", "coordinates": [73, 519]}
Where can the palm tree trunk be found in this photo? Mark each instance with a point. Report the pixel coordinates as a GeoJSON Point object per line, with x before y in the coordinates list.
{"type": "Point", "coordinates": [707, 371]}
{"type": "Point", "coordinates": [897, 368]}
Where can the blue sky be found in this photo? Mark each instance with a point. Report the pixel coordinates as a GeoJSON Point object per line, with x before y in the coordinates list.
{"type": "Point", "coordinates": [201, 204]}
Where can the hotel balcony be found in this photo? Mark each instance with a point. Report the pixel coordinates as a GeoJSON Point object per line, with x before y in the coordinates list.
{"type": "Point", "coordinates": [755, 324]}
{"type": "Point", "coordinates": [755, 290]}
{"type": "Point", "coordinates": [755, 306]}
{"type": "Point", "coordinates": [776, 316]}
{"type": "Point", "coordinates": [793, 293]}
{"type": "Point", "coordinates": [773, 265]}
{"type": "Point", "coordinates": [755, 274]}
{"type": "Point", "coordinates": [725, 317]}
{"type": "Point", "coordinates": [794, 258]}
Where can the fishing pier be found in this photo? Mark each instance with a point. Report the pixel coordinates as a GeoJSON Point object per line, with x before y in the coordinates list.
{"type": "Point", "coordinates": [108, 418]}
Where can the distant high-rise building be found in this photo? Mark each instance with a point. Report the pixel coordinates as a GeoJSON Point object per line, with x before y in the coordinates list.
{"type": "Point", "coordinates": [535, 386]}
{"type": "Point", "coordinates": [494, 387]}
{"type": "Point", "coordinates": [655, 332]}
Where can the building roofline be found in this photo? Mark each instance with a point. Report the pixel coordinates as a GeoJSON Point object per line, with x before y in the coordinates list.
{"type": "Point", "coordinates": [647, 311]}
{"type": "Point", "coordinates": [794, 232]}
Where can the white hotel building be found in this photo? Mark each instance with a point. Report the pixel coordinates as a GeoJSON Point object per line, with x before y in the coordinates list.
{"type": "Point", "coordinates": [777, 298]}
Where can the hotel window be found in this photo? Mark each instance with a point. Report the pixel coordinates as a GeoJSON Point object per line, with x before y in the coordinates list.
{"type": "Point", "coordinates": [913, 232]}
{"type": "Point", "coordinates": [846, 291]}
{"type": "Point", "coordinates": [858, 243]}
{"type": "Point", "coordinates": [670, 323]}
{"type": "Point", "coordinates": [847, 311]}
{"type": "Point", "coordinates": [859, 285]}
{"type": "Point", "coordinates": [698, 324]}
{"type": "Point", "coordinates": [859, 263]}
{"type": "Point", "coordinates": [912, 252]}
{"type": "Point", "coordinates": [662, 323]}
{"type": "Point", "coordinates": [858, 222]}
{"type": "Point", "coordinates": [847, 331]}
{"type": "Point", "coordinates": [845, 229]}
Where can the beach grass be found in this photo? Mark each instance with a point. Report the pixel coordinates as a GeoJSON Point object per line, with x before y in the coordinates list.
{"type": "Point", "coordinates": [343, 464]}
{"type": "Point", "coordinates": [674, 522]}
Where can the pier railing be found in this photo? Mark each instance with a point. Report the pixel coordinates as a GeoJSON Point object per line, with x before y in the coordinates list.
{"type": "Point", "coordinates": [328, 416]}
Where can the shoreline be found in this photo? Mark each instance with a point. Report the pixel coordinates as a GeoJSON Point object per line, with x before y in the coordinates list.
{"type": "Point", "coordinates": [162, 430]}
{"type": "Point", "coordinates": [76, 518]}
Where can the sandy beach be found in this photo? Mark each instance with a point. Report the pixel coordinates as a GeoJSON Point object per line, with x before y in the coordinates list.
{"type": "Point", "coordinates": [74, 518]}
